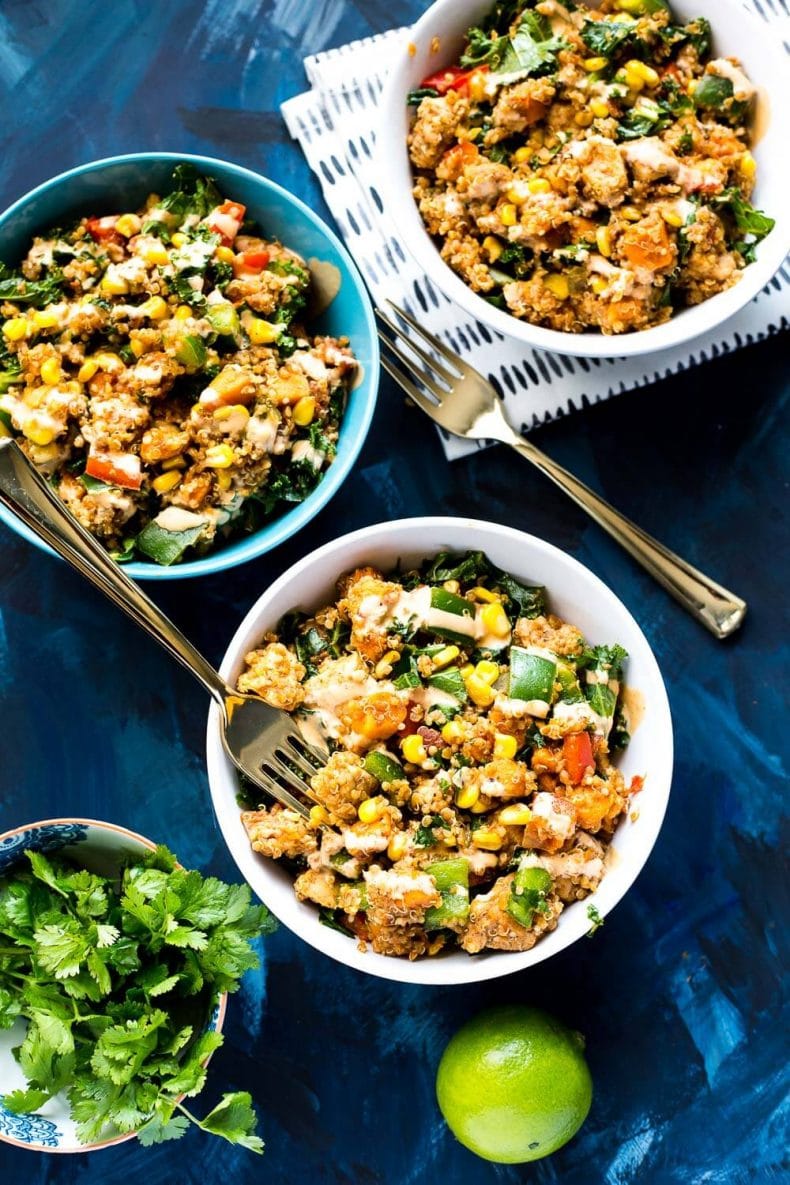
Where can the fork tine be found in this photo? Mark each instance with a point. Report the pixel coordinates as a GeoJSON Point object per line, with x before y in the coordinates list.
{"type": "Point", "coordinates": [422, 354]}
{"type": "Point", "coordinates": [413, 369]}
{"type": "Point", "coordinates": [296, 758]}
{"type": "Point", "coordinates": [273, 788]}
{"type": "Point", "coordinates": [419, 397]}
{"type": "Point", "coordinates": [276, 763]}
{"type": "Point", "coordinates": [297, 742]}
{"type": "Point", "coordinates": [434, 342]}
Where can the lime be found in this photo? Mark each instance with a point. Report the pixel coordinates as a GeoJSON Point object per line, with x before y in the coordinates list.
{"type": "Point", "coordinates": [513, 1084]}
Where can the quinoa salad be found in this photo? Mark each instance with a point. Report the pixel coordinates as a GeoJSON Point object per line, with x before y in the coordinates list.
{"type": "Point", "coordinates": [470, 793]}
{"type": "Point", "coordinates": [155, 366]}
{"type": "Point", "coordinates": [588, 169]}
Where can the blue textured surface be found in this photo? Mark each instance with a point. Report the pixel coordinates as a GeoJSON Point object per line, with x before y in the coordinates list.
{"type": "Point", "coordinates": [680, 994]}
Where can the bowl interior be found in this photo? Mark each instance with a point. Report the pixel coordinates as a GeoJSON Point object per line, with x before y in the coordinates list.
{"type": "Point", "coordinates": [736, 33]}
{"type": "Point", "coordinates": [576, 595]}
{"type": "Point", "coordinates": [123, 183]}
{"type": "Point", "coordinates": [100, 848]}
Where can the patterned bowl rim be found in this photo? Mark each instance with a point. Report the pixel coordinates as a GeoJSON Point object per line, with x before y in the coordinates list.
{"type": "Point", "coordinates": [222, 1002]}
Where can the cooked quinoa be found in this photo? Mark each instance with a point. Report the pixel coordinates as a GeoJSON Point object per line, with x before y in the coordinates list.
{"type": "Point", "coordinates": [156, 368]}
{"type": "Point", "coordinates": [589, 168]}
{"type": "Point", "coordinates": [470, 793]}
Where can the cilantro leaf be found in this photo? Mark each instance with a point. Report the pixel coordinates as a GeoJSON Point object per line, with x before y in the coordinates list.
{"type": "Point", "coordinates": [234, 1119]}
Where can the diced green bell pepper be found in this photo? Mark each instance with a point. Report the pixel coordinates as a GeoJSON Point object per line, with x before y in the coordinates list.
{"type": "Point", "coordinates": [224, 319]}
{"type": "Point", "coordinates": [166, 547]}
{"type": "Point", "coordinates": [191, 352]}
{"type": "Point", "coordinates": [528, 893]}
{"type": "Point", "coordinates": [383, 767]}
{"type": "Point", "coordinates": [446, 602]}
{"type": "Point", "coordinates": [451, 878]}
{"type": "Point", "coordinates": [712, 91]}
{"type": "Point", "coordinates": [570, 690]}
{"type": "Point", "coordinates": [531, 676]}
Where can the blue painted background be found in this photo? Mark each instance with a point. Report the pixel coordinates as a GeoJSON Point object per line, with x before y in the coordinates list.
{"type": "Point", "coordinates": [680, 994]}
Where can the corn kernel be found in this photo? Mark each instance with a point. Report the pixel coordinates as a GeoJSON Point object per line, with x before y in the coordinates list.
{"type": "Point", "coordinates": [396, 848]}
{"type": "Point", "coordinates": [484, 837]}
{"type": "Point", "coordinates": [470, 134]}
{"type": "Point", "coordinates": [220, 456]}
{"type": "Point", "coordinates": [522, 154]}
{"type": "Point", "coordinates": [539, 185]}
{"type": "Point", "coordinates": [137, 347]}
{"type": "Point", "coordinates": [748, 165]}
{"type": "Point", "coordinates": [371, 810]}
{"type": "Point", "coordinates": [508, 215]}
{"type": "Point", "coordinates": [604, 240]}
{"type": "Point", "coordinates": [444, 657]}
{"type": "Point", "coordinates": [156, 254]}
{"type": "Point", "coordinates": [318, 815]}
{"type": "Point", "coordinates": [38, 433]}
{"type": "Point", "coordinates": [304, 411]}
{"type": "Point", "coordinates": [87, 370]}
{"type": "Point", "coordinates": [599, 108]}
{"type": "Point", "coordinates": [583, 119]}
{"type": "Point", "coordinates": [635, 7]}
{"type": "Point", "coordinates": [179, 239]}
{"type": "Point", "coordinates": [484, 594]}
{"type": "Point", "coordinates": [453, 732]}
{"type": "Point", "coordinates": [505, 745]}
{"type": "Point", "coordinates": [224, 480]}
{"type": "Point", "coordinates": [493, 248]}
{"type": "Point", "coordinates": [108, 361]}
{"type": "Point", "coordinates": [384, 666]}
{"type": "Point", "coordinates": [516, 815]}
{"type": "Point", "coordinates": [128, 225]}
{"type": "Point", "coordinates": [413, 749]}
{"type": "Point", "coordinates": [51, 372]}
{"type": "Point", "coordinates": [174, 463]}
{"type": "Point", "coordinates": [261, 332]}
{"type": "Point", "coordinates": [558, 286]}
{"type": "Point", "coordinates": [477, 86]}
{"type": "Point", "coordinates": [166, 481]}
{"type": "Point", "coordinates": [495, 621]}
{"type": "Point", "coordinates": [15, 329]}
{"type": "Point", "coordinates": [225, 255]}
{"type": "Point", "coordinates": [518, 193]}
{"type": "Point", "coordinates": [183, 312]}
{"type": "Point", "coordinates": [452, 586]}
{"type": "Point", "coordinates": [634, 77]}
{"type": "Point", "coordinates": [642, 71]}
{"type": "Point", "coordinates": [487, 671]}
{"type": "Point", "coordinates": [232, 411]}
{"type": "Point", "coordinates": [155, 308]}
{"type": "Point", "coordinates": [466, 670]}
{"type": "Point", "coordinates": [672, 218]}
{"type": "Point", "coordinates": [630, 213]}
{"type": "Point", "coordinates": [113, 285]}
{"type": "Point", "coordinates": [479, 691]}
{"type": "Point", "coordinates": [45, 319]}
{"type": "Point", "coordinates": [598, 285]}
{"type": "Point", "coordinates": [593, 65]}
{"type": "Point", "coordinates": [466, 797]}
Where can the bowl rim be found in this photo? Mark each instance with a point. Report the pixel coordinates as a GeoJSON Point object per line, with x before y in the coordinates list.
{"type": "Point", "coordinates": [221, 772]}
{"type": "Point", "coordinates": [710, 316]}
{"type": "Point", "coordinates": [279, 530]}
{"type": "Point", "coordinates": [222, 1001]}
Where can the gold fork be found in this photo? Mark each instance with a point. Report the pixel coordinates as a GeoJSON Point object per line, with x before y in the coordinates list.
{"type": "Point", "coordinates": [458, 398]}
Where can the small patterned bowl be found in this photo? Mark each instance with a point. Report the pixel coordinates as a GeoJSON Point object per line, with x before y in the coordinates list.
{"type": "Point", "coordinates": [99, 847]}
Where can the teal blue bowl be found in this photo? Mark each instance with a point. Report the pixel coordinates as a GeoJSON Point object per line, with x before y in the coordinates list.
{"type": "Point", "coordinates": [123, 183]}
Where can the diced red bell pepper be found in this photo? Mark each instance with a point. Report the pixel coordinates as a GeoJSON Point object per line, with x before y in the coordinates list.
{"type": "Point", "coordinates": [250, 262]}
{"type": "Point", "coordinates": [452, 78]}
{"type": "Point", "coordinates": [226, 221]}
{"type": "Point", "coordinates": [454, 159]}
{"type": "Point", "coordinates": [102, 230]}
{"type": "Point", "coordinates": [636, 784]}
{"type": "Point", "coordinates": [118, 469]}
{"type": "Point", "coordinates": [578, 755]}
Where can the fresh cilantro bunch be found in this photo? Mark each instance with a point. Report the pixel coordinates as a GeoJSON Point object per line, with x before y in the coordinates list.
{"type": "Point", "coordinates": [115, 982]}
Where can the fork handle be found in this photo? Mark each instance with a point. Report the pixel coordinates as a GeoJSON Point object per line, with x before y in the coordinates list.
{"type": "Point", "coordinates": [24, 491]}
{"type": "Point", "coordinates": [716, 607]}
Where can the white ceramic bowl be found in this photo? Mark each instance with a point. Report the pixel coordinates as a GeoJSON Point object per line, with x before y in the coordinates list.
{"type": "Point", "coordinates": [99, 847]}
{"type": "Point", "coordinates": [576, 595]}
{"type": "Point", "coordinates": [736, 33]}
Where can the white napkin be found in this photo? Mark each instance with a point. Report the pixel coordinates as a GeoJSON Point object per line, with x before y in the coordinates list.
{"type": "Point", "coordinates": [335, 124]}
